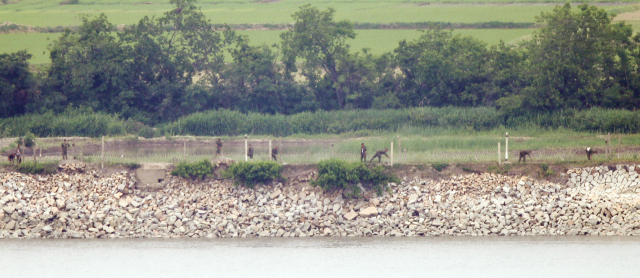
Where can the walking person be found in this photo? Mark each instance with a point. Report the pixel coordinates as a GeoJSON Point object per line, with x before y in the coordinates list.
{"type": "Point", "coordinates": [274, 154]}
{"type": "Point", "coordinates": [379, 155]}
{"type": "Point", "coordinates": [65, 148]}
{"type": "Point", "coordinates": [363, 153]}
{"type": "Point", "coordinates": [250, 152]}
{"type": "Point", "coordinates": [218, 147]}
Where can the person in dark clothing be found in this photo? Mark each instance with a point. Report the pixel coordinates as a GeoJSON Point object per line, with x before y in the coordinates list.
{"type": "Point", "coordinates": [65, 148]}
{"type": "Point", "coordinates": [590, 152]}
{"type": "Point", "coordinates": [250, 152]}
{"type": "Point", "coordinates": [379, 155]}
{"type": "Point", "coordinates": [274, 154]}
{"type": "Point", "coordinates": [218, 148]}
{"type": "Point", "coordinates": [523, 156]}
{"type": "Point", "coordinates": [363, 153]}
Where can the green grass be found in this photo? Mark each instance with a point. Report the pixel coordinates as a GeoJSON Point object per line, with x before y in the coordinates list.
{"type": "Point", "coordinates": [430, 145]}
{"type": "Point", "coordinates": [50, 13]}
{"type": "Point", "coordinates": [379, 41]}
{"type": "Point", "coordinates": [35, 43]}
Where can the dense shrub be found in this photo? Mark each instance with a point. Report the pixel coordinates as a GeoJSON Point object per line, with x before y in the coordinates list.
{"type": "Point", "coordinates": [335, 174]}
{"type": "Point", "coordinates": [194, 170]}
{"type": "Point", "coordinates": [147, 132]}
{"type": "Point", "coordinates": [439, 166]}
{"type": "Point", "coordinates": [30, 167]}
{"type": "Point", "coordinates": [251, 173]}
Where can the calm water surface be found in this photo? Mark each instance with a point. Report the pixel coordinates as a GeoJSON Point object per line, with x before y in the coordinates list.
{"type": "Point", "coordinates": [324, 257]}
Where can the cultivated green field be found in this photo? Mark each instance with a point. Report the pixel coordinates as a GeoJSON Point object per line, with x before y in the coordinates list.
{"type": "Point", "coordinates": [379, 41]}
{"type": "Point", "coordinates": [51, 13]}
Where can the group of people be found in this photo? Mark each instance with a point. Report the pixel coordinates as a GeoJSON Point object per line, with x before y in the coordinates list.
{"type": "Point", "coordinates": [274, 151]}
{"type": "Point", "coordinates": [379, 154]}
{"type": "Point", "coordinates": [524, 154]}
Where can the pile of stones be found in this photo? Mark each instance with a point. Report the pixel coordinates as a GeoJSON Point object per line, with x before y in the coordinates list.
{"type": "Point", "coordinates": [593, 201]}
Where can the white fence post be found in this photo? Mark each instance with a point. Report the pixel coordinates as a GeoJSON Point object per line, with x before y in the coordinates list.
{"type": "Point", "coordinates": [392, 153]}
{"type": "Point", "coordinates": [506, 148]}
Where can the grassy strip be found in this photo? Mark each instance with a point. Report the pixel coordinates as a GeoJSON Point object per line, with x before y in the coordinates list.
{"type": "Point", "coordinates": [356, 122]}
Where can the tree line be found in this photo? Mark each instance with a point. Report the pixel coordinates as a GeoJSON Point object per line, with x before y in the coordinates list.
{"type": "Point", "coordinates": [166, 67]}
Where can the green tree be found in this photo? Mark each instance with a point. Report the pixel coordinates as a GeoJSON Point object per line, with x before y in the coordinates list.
{"type": "Point", "coordinates": [254, 82]}
{"type": "Point", "coordinates": [16, 83]}
{"type": "Point", "coordinates": [89, 67]}
{"type": "Point", "coordinates": [574, 59]}
{"type": "Point", "coordinates": [442, 69]}
{"type": "Point", "coordinates": [322, 43]}
{"type": "Point", "coordinates": [170, 53]}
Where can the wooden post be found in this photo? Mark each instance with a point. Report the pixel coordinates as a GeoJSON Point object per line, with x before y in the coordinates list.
{"type": "Point", "coordinates": [391, 153]}
{"type": "Point", "coordinates": [246, 149]}
{"type": "Point", "coordinates": [609, 142]}
{"type": "Point", "coordinates": [269, 153]}
{"type": "Point", "coordinates": [35, 148]}
{"type": "Point", "coordinates": [499, 154]}
{"type": "Point", "coordinates": [184, 150]}
{"type": "Point", "coordinates": [619, 139]}
{"type": "Point", "coordinates": [506, 148]}
{"type": "Point", "coordinates": [102, 164]}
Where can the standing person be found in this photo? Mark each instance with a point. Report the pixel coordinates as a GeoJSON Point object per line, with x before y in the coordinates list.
{"type": "Point", "coordinates": [219, 148]}
{"type": "Point", "coordinates": [379, 155]}
{"type": "Point", "coordinates": [250, 152]}
{"type": "Point", "coordinates": [18, 156]}
{"type": "Point", "coordinates": [65, 148]}
{"type": "Point", "coordinates": [274, 154]}
{"type": "Point", "coordinates": [363, 153]}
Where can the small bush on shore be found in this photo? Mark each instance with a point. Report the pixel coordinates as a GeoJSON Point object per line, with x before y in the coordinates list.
{"type": "Point", "coordinates": [439, 166]}
{"type": "Point", "coordinates": [251, 173]}
{"type": "Point", "coordinates": [335, 174]}
{"type": "Point", "coordinates": [194, 170]}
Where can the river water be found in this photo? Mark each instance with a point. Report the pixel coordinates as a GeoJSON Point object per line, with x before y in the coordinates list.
{"type": "Point", "coordinates": [324, 257]}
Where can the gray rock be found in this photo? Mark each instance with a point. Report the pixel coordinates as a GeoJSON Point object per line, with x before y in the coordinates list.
{"type": "Point", "coordinates": [368, 212]}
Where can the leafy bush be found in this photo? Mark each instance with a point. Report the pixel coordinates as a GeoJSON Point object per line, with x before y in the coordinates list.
{"type": "Point", "coordinates": [30, 167]}
{"type": "Point", "coordinates": [335, 174]}
{"type": "Point", "coordinates": [439, 166]}
{"type": "Point", "coordinates": [147, 132]}
{"type": "Point", "coordinates": [250, 173]}
{"type": "Point", "coordinates": [194, 170]}
{"type": "Point", "coordinates": [29, 140]}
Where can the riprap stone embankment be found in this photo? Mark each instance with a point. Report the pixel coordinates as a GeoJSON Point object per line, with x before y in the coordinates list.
{"type": "Point", "coordinates": [593, 201]}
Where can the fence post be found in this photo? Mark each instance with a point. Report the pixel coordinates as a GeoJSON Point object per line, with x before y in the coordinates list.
{"type": "Point", "coordinates": [269, 153]}
{"type": "Point", "coordinates": [499, 154]}
{"type": "Point", "coordinates": [184, 150]}
{"type": "Point", "coordinates": [391, 153]}
{"type": "Point", "coordinates": [506, 148]}
{"type": "Point", "coordinates": [246, 149]}
{"type": "Point", "coordinates": [102, 163]}
{"type": "Point", "coordinates": [34, 152]}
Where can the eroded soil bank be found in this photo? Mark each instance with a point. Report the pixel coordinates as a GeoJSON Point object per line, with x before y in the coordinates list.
{"type": "Point", "coordinates": [599, 200]}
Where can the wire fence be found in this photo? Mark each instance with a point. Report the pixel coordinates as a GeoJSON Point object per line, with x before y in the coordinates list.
{"type": "Point", "coordinates": [314, 152]}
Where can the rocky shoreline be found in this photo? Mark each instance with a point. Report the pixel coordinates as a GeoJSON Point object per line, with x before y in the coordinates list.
{"type": "Point", "coordinates": [593, 201]}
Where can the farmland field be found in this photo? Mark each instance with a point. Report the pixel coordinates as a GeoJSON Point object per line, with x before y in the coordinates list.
{"type": "Point", "coordinates": [379, 41]}
{"type": "Point", "coordinates": [51, 13]}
